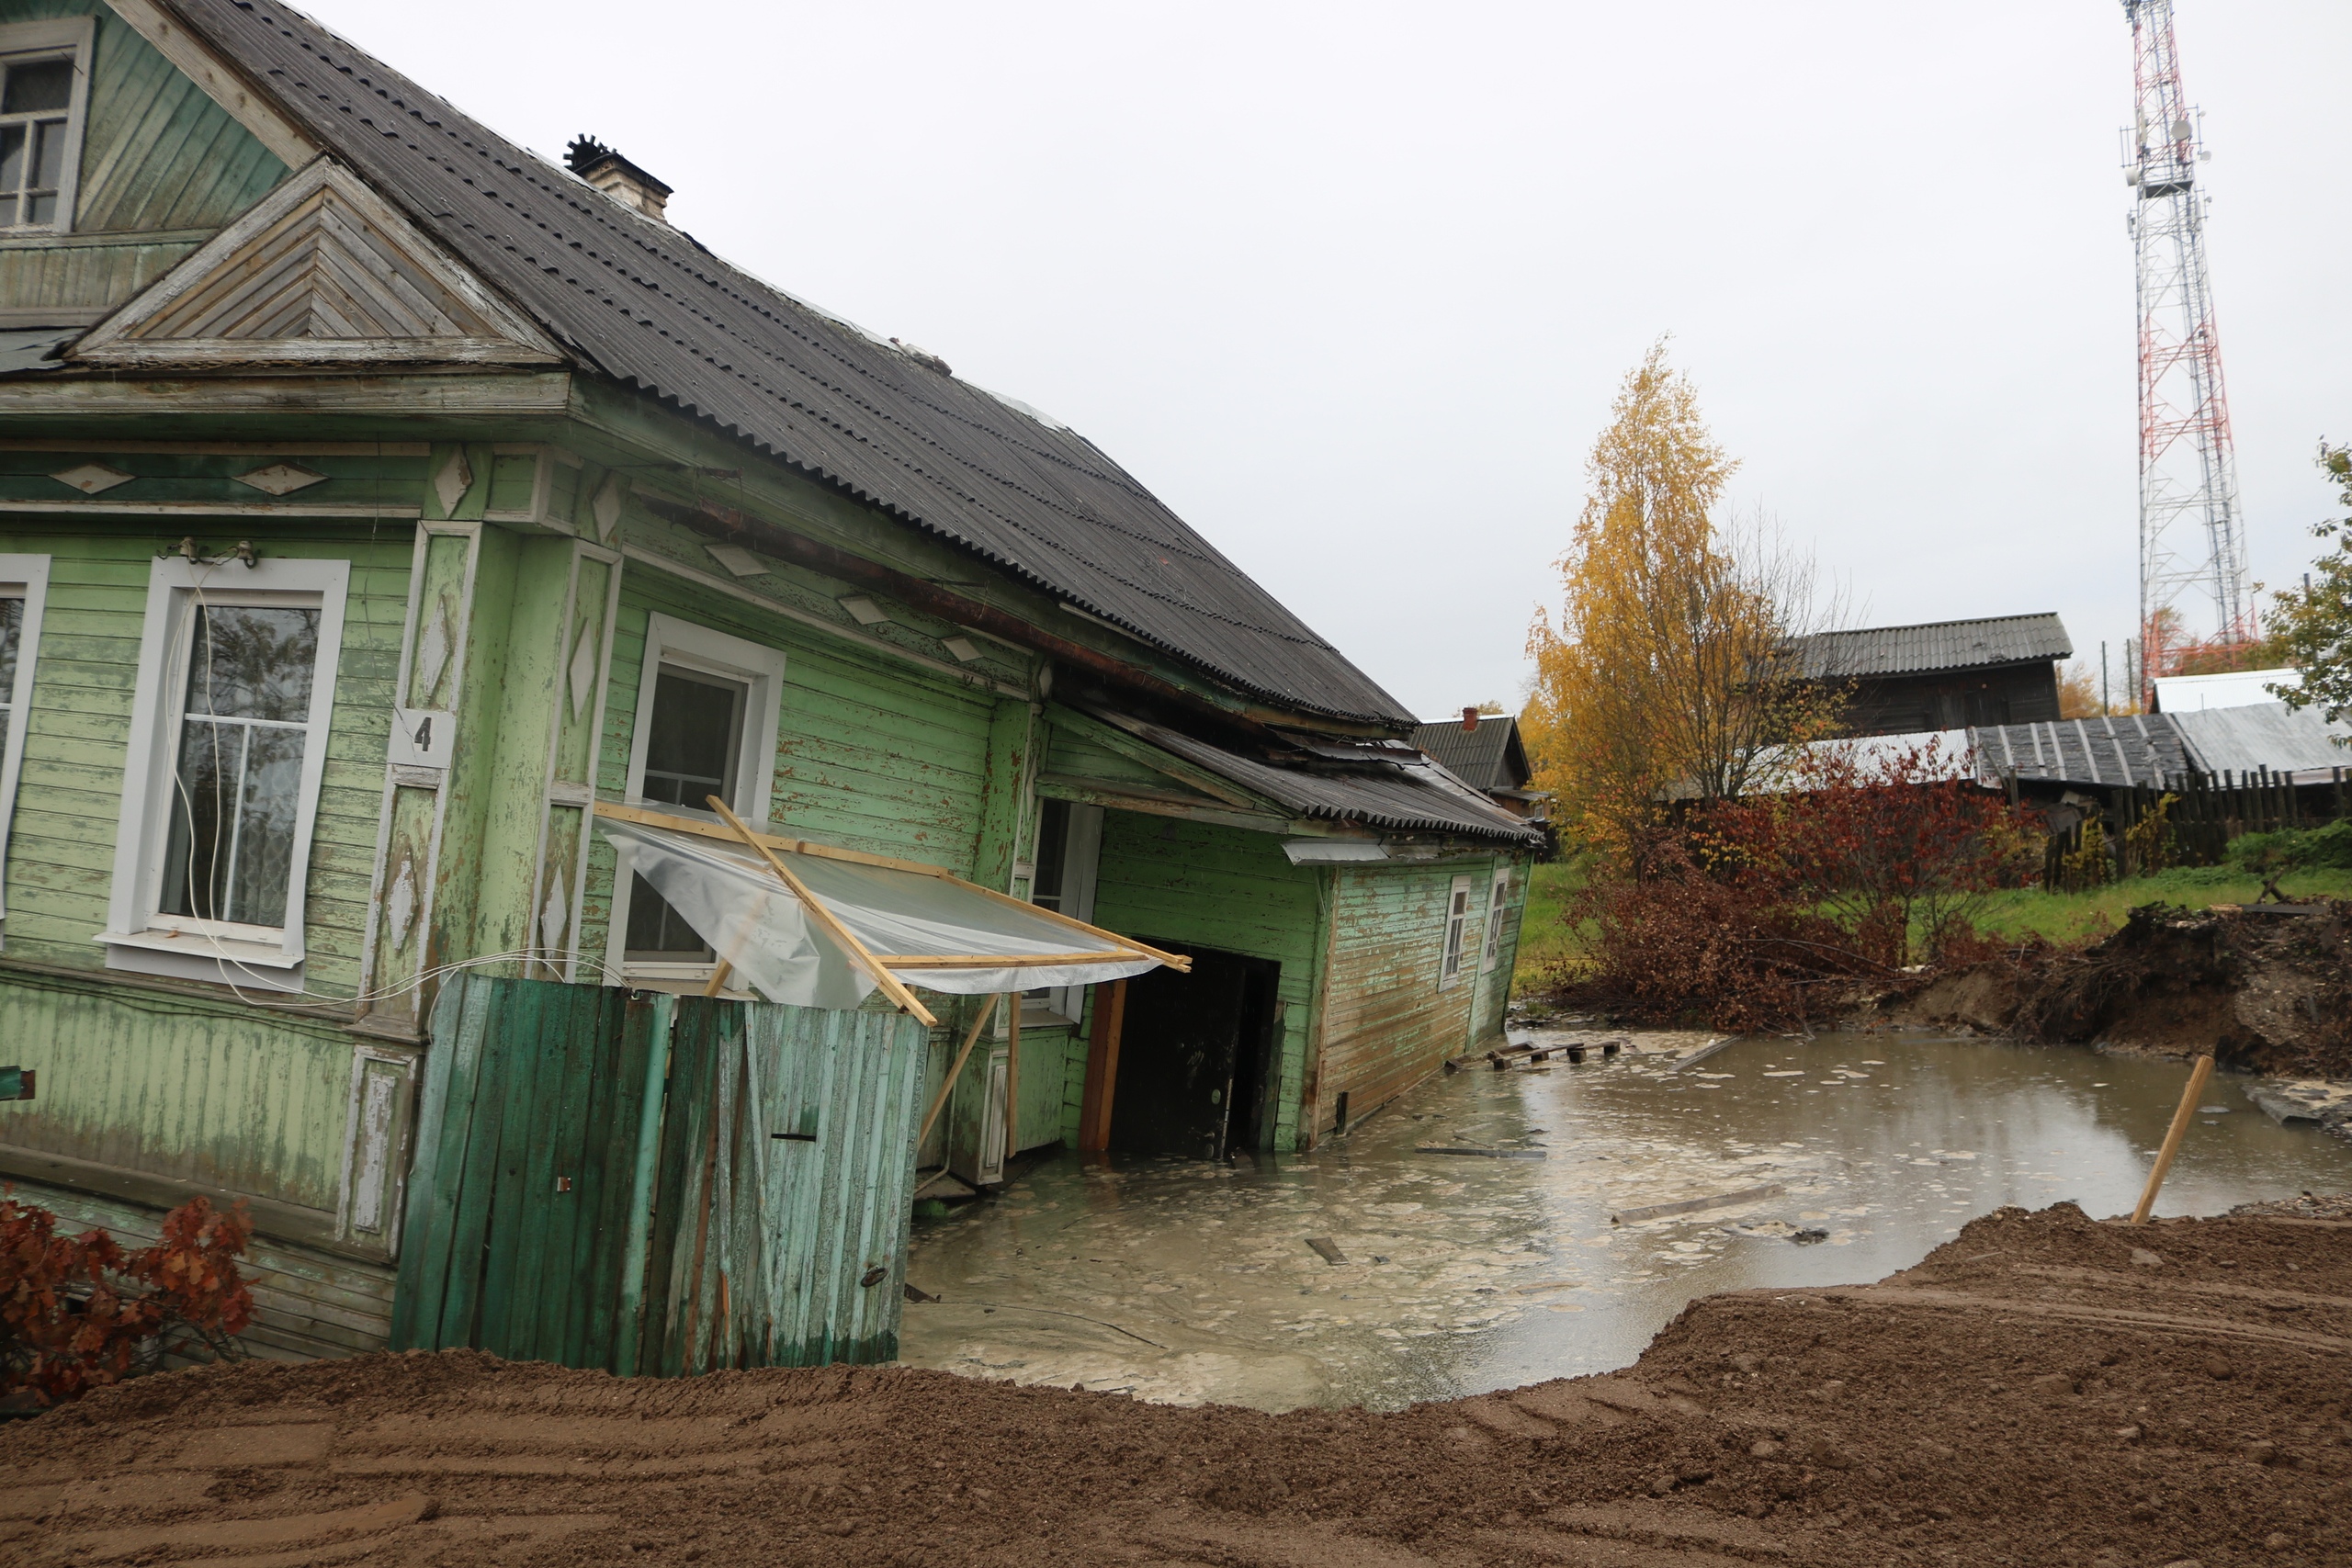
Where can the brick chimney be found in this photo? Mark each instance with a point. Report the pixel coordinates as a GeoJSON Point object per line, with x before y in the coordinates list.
{"type": "Point", "coordinates": [617, 177]}
{"type": "Point", "coordinates": [1469, 718]}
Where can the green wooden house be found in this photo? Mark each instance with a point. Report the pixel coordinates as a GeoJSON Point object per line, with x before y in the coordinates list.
{"type": "Point", "coordinates": [377, 498]}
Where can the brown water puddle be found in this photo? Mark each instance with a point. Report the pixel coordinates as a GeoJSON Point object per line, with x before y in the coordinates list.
{"type": "Point", "coordinates": [1458, 1274]}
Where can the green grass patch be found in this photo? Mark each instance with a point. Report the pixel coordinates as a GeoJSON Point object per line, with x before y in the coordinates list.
{"type": "Point", "coordinates": [1544, 935]}
{"type": "Point", "coordinates": [2072, 916]}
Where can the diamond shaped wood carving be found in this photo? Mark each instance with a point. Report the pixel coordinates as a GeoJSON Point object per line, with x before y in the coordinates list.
{"type": "Point", "coordinates": [281, 479]}
{"type": "Point", "coordinates": [90, 479]}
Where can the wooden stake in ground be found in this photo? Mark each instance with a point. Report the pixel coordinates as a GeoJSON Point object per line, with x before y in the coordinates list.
{"type": "Point", "coordinates": [2196, 1077]}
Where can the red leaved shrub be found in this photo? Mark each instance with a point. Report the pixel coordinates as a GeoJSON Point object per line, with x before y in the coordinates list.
{"type": "Point", "coordinates": [80, 1312]}
{"type": "Point", "coordinates": [1742, 913]}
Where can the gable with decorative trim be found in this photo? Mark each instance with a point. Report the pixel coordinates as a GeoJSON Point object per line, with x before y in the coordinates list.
{"type": "Point", "coordinates": [322, 271]}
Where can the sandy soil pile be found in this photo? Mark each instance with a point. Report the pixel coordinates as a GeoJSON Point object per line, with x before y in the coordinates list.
{"type": "Point", "coordinates": [2044, 1390]}
{"type": "Point", "coordinates": [2273, 992]}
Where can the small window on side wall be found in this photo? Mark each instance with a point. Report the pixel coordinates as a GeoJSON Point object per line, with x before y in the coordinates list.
{"type": "Point", "coordinates": [221, 787]}
{"type": "Point", "coordinates": [1457, 925]}
{"type": "Point", "coordinates": [707, 716]}
{"type": "Point", "coordinates": [44, 94]}
{"type": "Point", "coordinates": [1497, 904]}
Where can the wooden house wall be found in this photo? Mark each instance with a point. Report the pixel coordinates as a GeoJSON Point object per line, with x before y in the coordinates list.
{"type": "Point", "coordinates": [1387, 1024]}
{"type": "Point", "coordinates": [163, 168]}
{"type": "Point", "coordinates": [306, 1302]}
{"type": "Point", "coordinates": [215, 1094]}
{"type": "Point", "coordinates": [1901, 704]}
{"type": "Point", "coordinates": [871, 754]}
{"type": "Point", "coordinates": [1179, 882]}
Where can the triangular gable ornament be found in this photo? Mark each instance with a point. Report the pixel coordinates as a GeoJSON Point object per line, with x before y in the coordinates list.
{"type": "Point", "coordinates": [322, 271]}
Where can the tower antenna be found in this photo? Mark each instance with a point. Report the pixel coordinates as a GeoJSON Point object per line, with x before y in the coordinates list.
{"type": "Point", "coordinates": [2192, 541]}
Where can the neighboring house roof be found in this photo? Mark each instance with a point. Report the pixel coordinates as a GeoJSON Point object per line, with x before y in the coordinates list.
{"type": "Point", "coordinates": [2264, 735]}
{"type": "Point", "coordinates": [649, 307]}
{"type": "Point", "coordinates": [2237, 688]}
{"type": "Point", "coordinates": [2140, 749]}
{"type": "Point", "coordinates": [1490, 757]}
{"type": "Point", "coordinates": [1934, 646]}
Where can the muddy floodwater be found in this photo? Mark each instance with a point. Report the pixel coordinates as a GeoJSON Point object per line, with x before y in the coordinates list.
{"type": "Point", "coordinates": [1376, 1272]}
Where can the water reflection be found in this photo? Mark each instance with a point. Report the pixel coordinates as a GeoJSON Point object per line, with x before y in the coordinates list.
{"type": "Point", "coordinates": [1463, 1273]}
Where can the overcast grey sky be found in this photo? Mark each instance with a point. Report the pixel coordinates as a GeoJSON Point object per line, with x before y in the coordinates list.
{"type": "Point", "coordinates": [1351, 285]}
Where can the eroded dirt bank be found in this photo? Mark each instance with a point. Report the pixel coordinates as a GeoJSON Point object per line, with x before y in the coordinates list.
{"type": "Point", "coordinates": [2273, 993]}
{"type": "Point", "coordinates": [2044, 1390]}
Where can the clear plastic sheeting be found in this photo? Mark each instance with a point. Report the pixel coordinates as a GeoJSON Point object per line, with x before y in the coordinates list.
{"type": "Point", "coordinates": [759, 926]}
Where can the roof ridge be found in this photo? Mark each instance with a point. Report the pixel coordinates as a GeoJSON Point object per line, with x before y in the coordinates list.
{"type": "Point", "coordinates": [971, 466]}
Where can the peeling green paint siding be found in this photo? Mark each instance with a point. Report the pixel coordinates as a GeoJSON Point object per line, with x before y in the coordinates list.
{"type": "Point", "coordinates": [207, 1092]}
{"type": "Point", "coordinates": [870, 755]}
{"type": "Point", "coordinates": [163, 168]}
{"type": "Point", "coordinates": [1387, 1023]}
{"type": "Point", "coordinates": [61, 850]}
{"type": "Point", "coordinates": [159, 154]}
{"type": "Point", "coordinates": [1072, 756]}
{"type": "Point", "coordinates": [1163, 880]}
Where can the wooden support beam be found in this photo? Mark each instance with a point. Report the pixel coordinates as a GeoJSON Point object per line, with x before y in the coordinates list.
{"type": "Point", "coordinates": [1101, 1069]}
{"type": "Point", "coordinates": [890, 984]}
{"type": "Point", "coordinates": [947, 1084]}
{"type": "Point", "coordinates": [1003, 960]}
{"type": "Point", "coordinates": [1126, 947]}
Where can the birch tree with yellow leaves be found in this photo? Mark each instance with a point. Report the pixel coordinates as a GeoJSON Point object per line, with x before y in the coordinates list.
{"type": "Point", "coordinates": [1669, 667]}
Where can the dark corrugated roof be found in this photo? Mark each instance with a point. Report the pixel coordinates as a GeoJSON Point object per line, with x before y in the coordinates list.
{"type": "Point", "coordinates": [2108, 752]}
{"type": "Point", "coordinates": [649, 307]}
{"type": "Point", "coordinates": [1938, 645]}
{"type": "Point", "coordinates": [1490, 757]}
{"type": "Point", "coordinates": [1381, 786]}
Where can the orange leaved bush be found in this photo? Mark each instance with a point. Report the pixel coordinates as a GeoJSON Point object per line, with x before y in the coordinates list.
{"type": "Point", "coordinates": [79, 1312]}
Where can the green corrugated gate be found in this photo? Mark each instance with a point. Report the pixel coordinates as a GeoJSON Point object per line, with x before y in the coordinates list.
{"type": "Point", "coordinates": [658, 1184]}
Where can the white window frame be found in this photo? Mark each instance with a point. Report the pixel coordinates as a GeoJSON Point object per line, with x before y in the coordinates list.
{"type": "Point", "coordinates": [68, 37]}
{"type": "Point", "coordinates": [24, 578]}
{"type": "Point", "coordinates": [139, 937]}
{"type": "Point", "coordinates": [682, 644]}
{"type": "Point", "coordinates": [1082, 870]}
{"type": "Point", "coordinates": [1455, 950]}
{"type": "Point", "coordinates": [1497, 905]}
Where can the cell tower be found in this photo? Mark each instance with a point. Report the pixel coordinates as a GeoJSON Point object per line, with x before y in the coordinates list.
{"type": "Point", "coordinates": [2192, 541]}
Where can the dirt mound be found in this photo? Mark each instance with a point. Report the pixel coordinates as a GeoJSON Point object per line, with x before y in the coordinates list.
{"type": "Point", "coordinates": [2271, 993]}
{"type": "Point", "coordinates": [2042, 1390]}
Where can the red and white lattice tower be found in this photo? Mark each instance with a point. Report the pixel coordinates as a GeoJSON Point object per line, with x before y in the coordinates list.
{"type": "Point", "coordinates": [2193, 588]}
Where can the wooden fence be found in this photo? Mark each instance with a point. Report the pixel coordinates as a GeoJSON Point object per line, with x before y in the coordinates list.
{"type": "Point", "coordinates": [2203, 812]}
{"type": "Point", "coordinates": [658, 1184]}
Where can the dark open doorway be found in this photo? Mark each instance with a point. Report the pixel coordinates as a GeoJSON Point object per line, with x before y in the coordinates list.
{"type": "Point", "coordinates": [1196, 1057]}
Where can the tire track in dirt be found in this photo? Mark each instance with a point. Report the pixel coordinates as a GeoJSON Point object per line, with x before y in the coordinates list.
{"type": "Point", "coordinates": [2037, 1391]}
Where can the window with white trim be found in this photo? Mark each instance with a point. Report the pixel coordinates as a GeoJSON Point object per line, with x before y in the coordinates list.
{"type": "Point", "coordinates": [221, 787]}
{"type": "Point", "coordinates": [1457, 923]}
{"type": "Point", "coordinates": [44, 96]}
{"type": "Point", "coordinates": [1497, 905]}
{"type": "Point", "coordinates": [24, 587]}
{"type": "Point", "coordinates": [707, 716]}
{"type": "Point", "coordinates": [1070, 854]}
